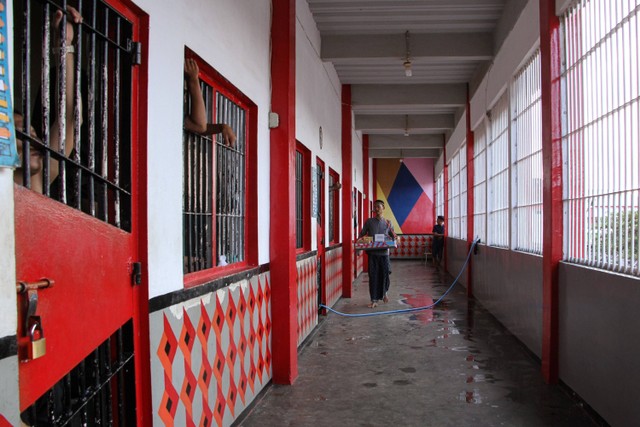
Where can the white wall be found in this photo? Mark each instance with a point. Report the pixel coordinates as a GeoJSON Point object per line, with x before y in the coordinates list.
{"type": "Point", "coordinates": [516, 49]}
{"type": "Point", "coordinates": [8, 313]}
{"type": "Point", "coordinates": [318, 103]}
{"type": "Point", "coordinates": [234, 38]}
{"type": "Point", "coordinates": [519, 45]}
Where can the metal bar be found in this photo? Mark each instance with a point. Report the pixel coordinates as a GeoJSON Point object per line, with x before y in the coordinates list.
{"type": "Point", "coordinates": [77, 115]}
{"type": "Point", "coordinates": [116, 125]}
{"type": "Point", "coordinates": [22, 287]}
{"type": "Point", "coordinates": [26, 94]}
{"type": "Point", "coordinates": [91, 116]}
{"type": "Point", "coordinates": [62, 108]}
{"type": "Point", "coordinates": [104, 125]}
{"type": "Point", "coordinates": [46, 90]}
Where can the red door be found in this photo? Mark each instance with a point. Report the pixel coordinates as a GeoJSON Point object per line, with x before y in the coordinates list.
{"type": "Point", "coordinates": [89, 255]}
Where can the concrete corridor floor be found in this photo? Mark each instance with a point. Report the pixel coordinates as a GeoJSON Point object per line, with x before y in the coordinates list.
{"type": "Point", "coordinates": [454, 365]}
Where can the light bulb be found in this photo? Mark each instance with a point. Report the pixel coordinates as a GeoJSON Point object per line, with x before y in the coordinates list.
{"type": "Point", "coordinates": [407, 68]}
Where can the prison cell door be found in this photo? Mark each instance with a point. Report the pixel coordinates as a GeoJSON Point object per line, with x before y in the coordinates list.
{"type": "Point", "coordinates": [88, 258]}
{"type": "Point", "coordinates": [321, 264]}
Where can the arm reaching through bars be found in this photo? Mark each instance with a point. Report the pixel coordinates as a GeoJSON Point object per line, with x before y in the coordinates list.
{"type": "Point", "coordinates": [196, 121]}
{"type": "Point", "coordinates": [65, 54]}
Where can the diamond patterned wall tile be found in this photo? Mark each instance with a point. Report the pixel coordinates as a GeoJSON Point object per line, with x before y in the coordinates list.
{"type": "Point", "coordinates": [214, 368]}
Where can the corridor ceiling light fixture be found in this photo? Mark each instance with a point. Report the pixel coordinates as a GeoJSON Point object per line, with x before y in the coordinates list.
{"type": "Point", "coordinates": [407, 61]}
{"type": "Point", "coordinates": [406, 125]}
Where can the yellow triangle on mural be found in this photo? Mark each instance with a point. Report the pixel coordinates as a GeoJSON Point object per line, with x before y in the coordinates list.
{"type": "Point", "coordinates": [386, 173]}
{"type": "Point", "coordinates": [388, 213]}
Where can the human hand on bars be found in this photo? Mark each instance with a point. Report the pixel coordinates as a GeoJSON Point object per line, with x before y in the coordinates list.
{"type": "Point", "coordinates": [73, 17]}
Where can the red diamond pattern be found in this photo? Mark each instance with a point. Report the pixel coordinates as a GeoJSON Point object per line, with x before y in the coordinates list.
{"type": "Point", "coordinates": [187, 336]}
{"type": "Point", "coordinates": [204, 327]}
{"type": "Point", "coordinates": [411, 246]}
{"type": "Point", "coordinates": [167, 348]}
{"type": "Point", "coordinates": [207, 415]}
{"type": "Point", "coordinates": [169, 403]}
{"type": "Point", "coordinates": [334, 275]}
{"type": "Point", "coordinates": [188, 390]}
{"type": "Point", "coordinates": [239, 366]}
{"type": "Point", "coordinates": [307, 298]}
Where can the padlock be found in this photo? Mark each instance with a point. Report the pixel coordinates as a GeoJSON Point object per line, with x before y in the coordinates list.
{"type": "Point", "coordinates": [38, 344]}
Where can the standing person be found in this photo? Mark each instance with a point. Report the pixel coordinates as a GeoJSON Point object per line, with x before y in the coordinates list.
{"type": "Point", "coordinates": [438, 241]}
{"type": "Point", "coordinates": [378, 258]}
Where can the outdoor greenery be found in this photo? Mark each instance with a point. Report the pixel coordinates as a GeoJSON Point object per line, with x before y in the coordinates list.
{"type": "Point", "coordinates": [614, 237]}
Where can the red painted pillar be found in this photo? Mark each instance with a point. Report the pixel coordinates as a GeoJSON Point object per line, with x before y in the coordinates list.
{"type": "Point", "coordinates": [367, 199]}
{"type": "Point", "coordinates": [282, 225]}
{"type": "Point", "coordinates": [552, 184]}
{"type": "Point", "coordinates": [470, 199]}
{"type": "Point", "coordinates": [347, 197]}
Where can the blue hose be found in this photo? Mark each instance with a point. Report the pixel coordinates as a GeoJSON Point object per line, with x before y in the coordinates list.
{"type": "Point", "coordinates": [413, 309]}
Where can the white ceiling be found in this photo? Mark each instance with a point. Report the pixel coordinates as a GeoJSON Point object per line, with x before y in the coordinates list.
{"type": "Point", "coordinates": [448, 42]}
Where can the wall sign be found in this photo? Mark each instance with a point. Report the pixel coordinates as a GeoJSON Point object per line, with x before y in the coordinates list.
{"type": "Point", "coordinates": [8, 149]}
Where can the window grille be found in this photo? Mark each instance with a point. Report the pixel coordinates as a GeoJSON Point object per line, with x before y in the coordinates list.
{"type": "Point", "coordinates": [527, 157]}
{"type": "Point", "coordinates": [453, 182]}
{"type": "Point", "coordinates": [333, 206]}
{"type": "Point", "coordinates": [299, 200]}
{"type": "Point", "coordinates": [457, 221]}
{"type": "Point", "coordinates": [215, 176]}
{"type": "Point", "coordinates": [498, 175]}
{"type": "Point", "coordinates": [600, 134]}
{"type": "Point", "coordinates": [480, 182]}
{"type": "Point", "coordinates": [85, 96]}
{"type": "Point", "coordinates": [463, 192]}
{"type": "Point", "coordinates": [440, 195]}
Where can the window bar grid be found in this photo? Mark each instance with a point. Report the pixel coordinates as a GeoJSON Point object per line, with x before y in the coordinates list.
{"type": "Point", "coordinates": [440, 195]}
{"type": "Point", "coordinates": [230, 182]}
{"type": "Point", "coordinates": [527, 166]}
{"type": "Point", "coordinates": [331, 208]}
{"type": "Point", "coordinates": [600, 139]}
{"type": "Point", "coordinates": [116, 126]}
{"type": "Point", "coordinates": [498, 177]}
{"type": "Point", "coordinates": [299, 200]}
{"type": "Point", "coordinates": [480, 183]}
{"type": "Point", "coordinates": [462, 154]}
{"type": "Point", "coordinates": [65, 167]}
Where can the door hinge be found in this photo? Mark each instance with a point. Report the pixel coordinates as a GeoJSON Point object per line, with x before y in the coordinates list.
{"type": "Point", "coordinates": [136, 273]}
{"type": "Point", "coordinates": [135, 49]}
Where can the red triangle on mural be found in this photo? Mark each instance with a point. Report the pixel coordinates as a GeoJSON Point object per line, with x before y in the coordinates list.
{"type": "Point", "coordinates": [420, 219]}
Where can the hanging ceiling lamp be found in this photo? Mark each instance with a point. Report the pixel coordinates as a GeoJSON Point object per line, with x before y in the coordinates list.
{"type": "Point", "coordinates": [406, 125]}
{"type": "Point", "coordinates": [407, 61]}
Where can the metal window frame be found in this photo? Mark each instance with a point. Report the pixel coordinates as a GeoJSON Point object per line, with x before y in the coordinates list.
{"type": "Point", "coordinates": [526, 161]}
{"type": "Point", "coordinates": [498, 171]}
{"type": "Point", "coordinates": [480, 181]}
{"type": "Point", "coordinates": [215, 183]}
{"type": "Point", "coordinates": [601, 180]}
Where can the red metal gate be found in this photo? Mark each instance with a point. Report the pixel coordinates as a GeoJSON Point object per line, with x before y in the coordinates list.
{"type": "Point", "coordinates": [87, 254]}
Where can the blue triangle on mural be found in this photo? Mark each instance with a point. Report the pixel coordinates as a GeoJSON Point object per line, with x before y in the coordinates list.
{"type": "Point", "coordinates": [404, 194]}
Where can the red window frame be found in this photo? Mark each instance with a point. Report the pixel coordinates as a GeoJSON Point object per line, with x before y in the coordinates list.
{"type": "Point", "coordinates": [306, 198]}
{"type": "Point", "coordinates": [220, 84]}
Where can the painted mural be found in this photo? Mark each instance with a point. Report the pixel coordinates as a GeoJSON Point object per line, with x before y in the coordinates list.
{"type": "Point", "coordinates": [407, 188]}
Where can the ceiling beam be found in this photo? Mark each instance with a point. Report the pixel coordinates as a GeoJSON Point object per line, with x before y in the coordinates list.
{"type": "Point", "coordinates": [425, 48]}
{"type": "Point", "coordinates": [406, 142]}
{"type": "Point", "coordinates": [397, 123]}
{"type": "Point", "coordinates": [377, 153]}
{"type": "Point", "coordinates": [405, 99]}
